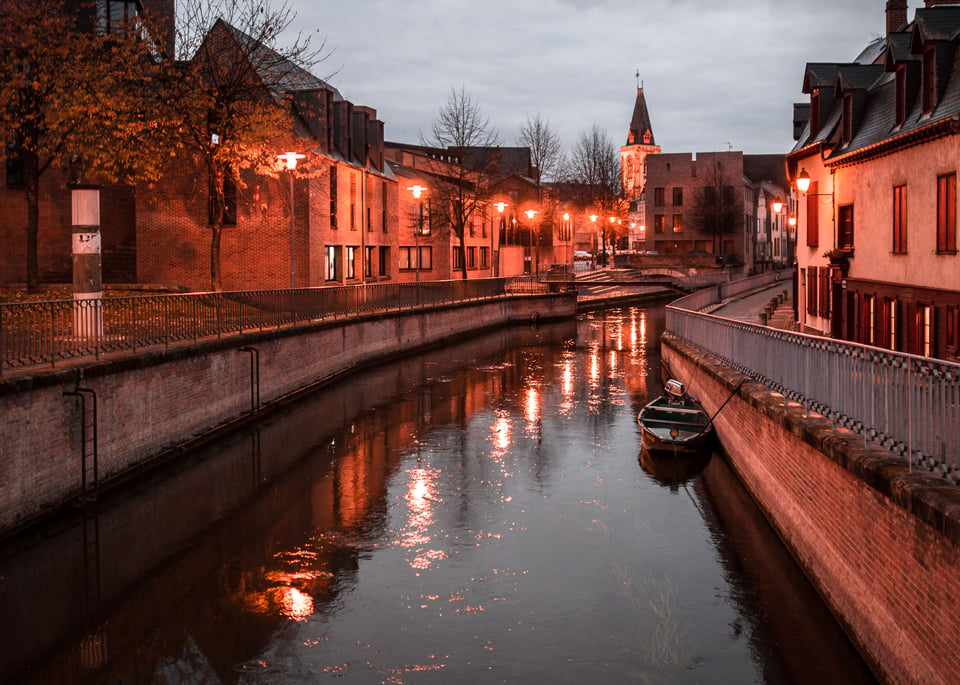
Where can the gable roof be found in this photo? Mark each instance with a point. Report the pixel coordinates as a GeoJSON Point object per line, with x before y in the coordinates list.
{"type": "Point", "coordinates": [279, 74]}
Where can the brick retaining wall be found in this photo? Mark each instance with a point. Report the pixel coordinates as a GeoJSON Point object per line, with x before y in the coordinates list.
{"type": "Point", "coordinates": [881, 544]}
{"type": "Point", "coordinates": [151, 402]}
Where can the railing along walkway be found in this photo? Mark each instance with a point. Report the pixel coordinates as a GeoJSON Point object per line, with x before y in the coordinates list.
{"type": "Point", "coordinates": [45, 333]}
{"type": "Point", "coordinates": [905, 403]}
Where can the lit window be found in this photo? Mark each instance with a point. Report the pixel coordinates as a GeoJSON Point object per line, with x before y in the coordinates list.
{"type": "Point", "coordinates": [900, 219]}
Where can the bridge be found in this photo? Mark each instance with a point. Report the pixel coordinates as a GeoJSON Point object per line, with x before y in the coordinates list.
{"type": "Point", "coordinates": [678, 278]}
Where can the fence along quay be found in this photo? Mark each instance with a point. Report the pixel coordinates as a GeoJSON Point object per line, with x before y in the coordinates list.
{"type": "Point", "coordinates": [907, 404]}
{"type": "Point", "coordinates": [46, 333]}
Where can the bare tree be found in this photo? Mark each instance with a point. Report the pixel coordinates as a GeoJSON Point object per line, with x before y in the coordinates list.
{"type": "Point", "coordinates": [72, 97]}
{"type": "Point", "coordinates": [458, 191]}
{"type": "Point", "coordinates": [545, 155]}
{"type": "Point", "coordinates": [234, 98]}
{"type": "Point", "coordinates": [595, 168]}
{"type": "Point", "coordinates": [715, 208]}
{"type": "Point", "coordinates": [544, 144]}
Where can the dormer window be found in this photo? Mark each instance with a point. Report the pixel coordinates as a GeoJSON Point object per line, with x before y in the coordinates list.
{"type": "Point", "coordinates": [814, 112]}
{"type": "Point", "coordinates": [114, 15]}
{"type": "Point", "coordinates": [847, 118]}
{"type": "Point", "coordinates": [929, 80]}
{"type": "Point", "coordinates": [901, 88]}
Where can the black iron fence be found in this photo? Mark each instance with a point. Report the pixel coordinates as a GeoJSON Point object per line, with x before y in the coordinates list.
{"type": "Point", "coordinates": [45, 333]}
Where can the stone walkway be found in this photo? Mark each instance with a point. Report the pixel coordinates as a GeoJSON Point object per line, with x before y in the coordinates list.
{"type": "Point", "coordinates": [771, 306]}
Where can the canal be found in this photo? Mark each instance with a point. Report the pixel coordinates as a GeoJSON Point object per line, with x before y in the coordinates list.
{"type": "Point", "coordinates": [478, 514]}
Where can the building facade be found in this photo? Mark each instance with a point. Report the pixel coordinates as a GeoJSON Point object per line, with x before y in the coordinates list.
{"type": "Point", "coordinates": [876, 164]}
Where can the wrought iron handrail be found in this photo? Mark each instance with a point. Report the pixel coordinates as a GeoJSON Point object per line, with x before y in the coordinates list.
{"type": "Point", "coordinates": [905, 403]}
{"type": "Point", "coordinates": [45, 333]}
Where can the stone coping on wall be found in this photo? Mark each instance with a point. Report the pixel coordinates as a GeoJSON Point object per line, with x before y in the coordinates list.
{"type": "Point", "coordinates": [923, 494]}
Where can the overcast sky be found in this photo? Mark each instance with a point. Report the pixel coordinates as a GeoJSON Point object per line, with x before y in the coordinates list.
{"type": "Point", "coordinates": [717, 74]}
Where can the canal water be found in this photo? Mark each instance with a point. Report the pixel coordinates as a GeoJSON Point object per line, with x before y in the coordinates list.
{"type": "Point", "coordinates": [478, 514]}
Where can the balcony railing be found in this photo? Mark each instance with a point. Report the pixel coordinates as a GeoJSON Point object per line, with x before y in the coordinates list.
{"type": "Point", "coordinates": [47, 333]}
{"type": "Point", "coordinates": [905, 403]}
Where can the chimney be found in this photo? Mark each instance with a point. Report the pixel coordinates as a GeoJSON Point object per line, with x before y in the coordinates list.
{"type": "Point", "coordinates": [896, 15]}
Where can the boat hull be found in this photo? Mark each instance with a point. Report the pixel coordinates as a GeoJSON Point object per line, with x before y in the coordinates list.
{"type": "Point", "coordinates": [678, 426]}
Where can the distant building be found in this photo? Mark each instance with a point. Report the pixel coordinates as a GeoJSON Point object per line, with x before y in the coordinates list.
{"type": "Point", "coordinates": [717, 203]}
{"type": "Point", "coordinates": [879, 145]}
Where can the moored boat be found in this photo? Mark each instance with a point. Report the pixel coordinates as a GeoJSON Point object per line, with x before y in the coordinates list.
{"type": "Point", "coordinates": [674, 422]}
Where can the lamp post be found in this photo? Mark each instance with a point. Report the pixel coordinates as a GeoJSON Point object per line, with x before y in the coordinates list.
{"type": "Point", "coordinates": [417, 191]}
{"type": "Point", "coordinates": [568, 233]}
{"type": "Point", "coordinates": [502, 228]}
{"type": "Point", "coordinates": [593, 220]}
{"type": "Point", "coordinates": [530, 214]}
{"type": "Point", "coordinates": [291, 159]}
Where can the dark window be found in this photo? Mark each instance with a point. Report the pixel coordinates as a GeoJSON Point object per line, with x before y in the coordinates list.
{"type": "Point", "coordinates": [824, 291]}
{"type": "Point", "coordinates": [814, 112]}
{"type": "Point", "coordinates": [368, 261]}
{"type": "Point", "coordinates": [728, 195]}
{"type": "Point", "coordinates": [812, 291]}
{"type": "Point", "coordinates": [384, 260]}
{"type": "Point", "coordinates": [929, 80]}
{"type": "Point", "coordinates": [953, 328]}
{"type": "Point", "coordinates": [813, 216]}
{"type": "Point", "coordinates": [845, 227]}
{"type": "Point", "coordinates": [658, 197]}
{"type": "Point", "coordinates": [900, 219]}
{"type": "Point", "coordinates": [947, 213]}
{"type": "Point", "coordinates": [333, 196]}
{"type": "Point", "coordinates": [847, 117]}
{"type": "Point", "coordinates": [678, 197]}
{"type": "Point", "coordinates": [15, 168]}
{"type": "Point", "coordinates": [901, 86]}
{"type": "Point", "coordinates": [383, 205]}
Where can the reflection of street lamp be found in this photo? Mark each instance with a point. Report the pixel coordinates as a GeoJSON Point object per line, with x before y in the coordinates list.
{"type": "Point", "coordinates": [291, 159]}
{"type": "Point", "coordinates": [530, 214]}
{"type": "Point", "coordinates": [417, 191]}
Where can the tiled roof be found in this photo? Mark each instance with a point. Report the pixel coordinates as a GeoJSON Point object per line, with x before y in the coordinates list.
{"type": "Point", "coordinates": [640, 122]}
{"type": "Point", "coordinates": [875, 130]}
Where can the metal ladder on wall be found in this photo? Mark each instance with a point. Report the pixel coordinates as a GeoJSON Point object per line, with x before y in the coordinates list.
{"type": "Point", "coordinates": [89, 473]}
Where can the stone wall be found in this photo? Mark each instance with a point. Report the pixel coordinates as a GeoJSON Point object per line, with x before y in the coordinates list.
{"type": "Point", "coordinates": [153, 403]}
{"type": "Point", "coordinates": [882, 544]}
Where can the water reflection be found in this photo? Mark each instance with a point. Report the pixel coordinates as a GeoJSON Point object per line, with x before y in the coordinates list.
{"type": "Point", "coordinates": [477, 514]}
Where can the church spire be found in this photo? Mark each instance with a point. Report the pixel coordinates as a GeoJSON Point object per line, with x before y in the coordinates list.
{"type": "Point", "coordinates": [641, 131]}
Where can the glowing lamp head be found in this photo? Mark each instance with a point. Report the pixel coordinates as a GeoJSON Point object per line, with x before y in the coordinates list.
{"type": "Point", "coordinates": [593, 218]}
{"type": "Point", "coordinates": [777, 205]}
{"type": "Point", "coordinates": [566, 216]}
{"type": "Point", "coordinates": [501, 206]}
{"type": "Point", "coordinates": [417, 190]}
{"type": "Point", "coordinates": [531, 213]}
{"type": "Point", "coordinates": [290, 159]}
{"type": "Point", "coordinates": [803, 181]}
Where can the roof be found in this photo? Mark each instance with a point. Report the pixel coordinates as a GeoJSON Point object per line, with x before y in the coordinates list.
{"type": "Point", "coordinates": [279, 74]}
{"type": "Point", "coordinates": [873, 79]}
{"type": "Point", "coordinates": [641, 130]}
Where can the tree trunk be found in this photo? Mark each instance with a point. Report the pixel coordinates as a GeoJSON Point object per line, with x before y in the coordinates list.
{"type": "Point", "coordinates": [215, 232]}
{"type": "Point", "coordinates": [33, 222]}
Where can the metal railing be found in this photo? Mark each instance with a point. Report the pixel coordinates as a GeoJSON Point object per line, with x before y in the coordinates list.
{"type": "Point", "coordinates": [905, 403]}
{"type": "Point", "coordinates": [45, 333]}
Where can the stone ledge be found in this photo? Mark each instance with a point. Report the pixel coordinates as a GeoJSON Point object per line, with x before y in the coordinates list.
{"type": "Point", "coordinates": [922, 494]}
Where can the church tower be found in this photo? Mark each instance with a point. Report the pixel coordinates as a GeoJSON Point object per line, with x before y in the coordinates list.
{"type": "Point", "coordinates": [640, 143]}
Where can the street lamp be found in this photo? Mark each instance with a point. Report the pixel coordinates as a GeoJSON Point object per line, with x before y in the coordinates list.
{"type": "Point", "coordinates": [530, 214]}
{"type": "Point", "coordinates": [502, 238]}
{"type": "Point", "coordinates": [593, 220]}
{"type": "Point", "coordinates": [567, 234]}
{"type": "Point", "coordinates": [291, 159]}
{"type": "Point", "coordinates": [418, 191]}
